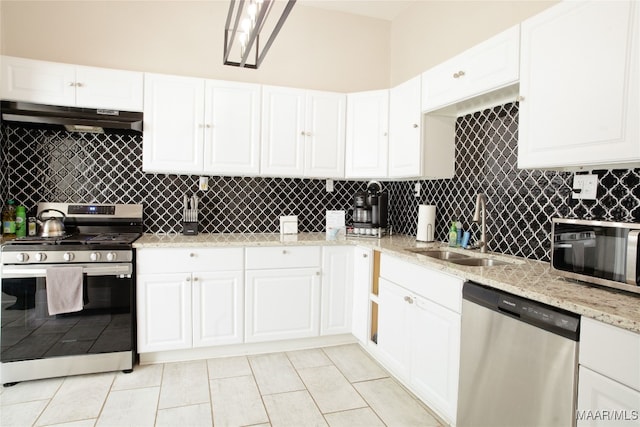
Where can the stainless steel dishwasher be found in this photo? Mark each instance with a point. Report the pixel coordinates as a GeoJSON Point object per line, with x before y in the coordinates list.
{"type": "Point", "coordinates": [518, 361]}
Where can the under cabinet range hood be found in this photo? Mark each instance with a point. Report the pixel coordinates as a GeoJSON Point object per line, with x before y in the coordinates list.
{"type": "Point", "coordinates": [72, 119]}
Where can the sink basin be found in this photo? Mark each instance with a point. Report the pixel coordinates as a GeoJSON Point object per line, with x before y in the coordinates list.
{"type": "Point", "coordinates": [440, 254]}
{"type": "Point", "coordinates": [479, 262]}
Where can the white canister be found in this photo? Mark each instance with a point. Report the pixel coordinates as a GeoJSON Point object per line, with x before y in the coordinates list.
{"type": "Point", "coordinates": [426, 223]}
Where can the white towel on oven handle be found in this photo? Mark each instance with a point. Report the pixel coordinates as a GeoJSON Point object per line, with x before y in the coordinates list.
{"type": "Point", "coordinates": [64, 289]}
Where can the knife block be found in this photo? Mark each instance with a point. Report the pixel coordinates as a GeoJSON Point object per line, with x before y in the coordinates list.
{"type": "Point", "coordinates": [190, 228]}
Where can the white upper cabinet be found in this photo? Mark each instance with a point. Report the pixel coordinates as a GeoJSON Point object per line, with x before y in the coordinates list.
{"type": "Point", "coordinates": [418, 147]}
{"type": "Point", "coordinates": [367, 134]}
{"type": "Point", "coordinates": [302, 133]}
{"type": "Point", "coordinates": [488, 66]}
{"type": "Point", "coordinates": [405, 148]}
{"type": "Point", "coordinates": [579, 83]}
{"type": "Point", "coordinates": [193, 125]}
{"type": "Point", "coordinates": [232, 128]}
{"type": "Point", "coordinates": [173, 134]}
{"type": "Point", "coordinates": [70, 85]}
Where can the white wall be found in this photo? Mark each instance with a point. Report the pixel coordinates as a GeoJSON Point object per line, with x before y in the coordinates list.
{"type": "Point", "coordinates": [316, 49]}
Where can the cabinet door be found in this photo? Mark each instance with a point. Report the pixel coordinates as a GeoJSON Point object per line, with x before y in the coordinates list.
{"type": "Point", "coordinates": [37, 81]}
{"type": "Point", "coordinates": [405, 148]}
{"type": "Point", "coordinates": [435, 356]}
{"type": "Point", "coordinates": [282, 304]}
{"type": "Point", "coordinates": [490, 65]}
{"type": "Point", "coordinates": [218, 308]}
{"type": "Point", "coordinates": [232, 123]}
{"type": "Point", "coordinates": [283, 134]}
{"type": "Point", "coordinates": [394, 340]}
{"type": "Point", "coordinates": [598, 395]}
{"type": "Point", "coordinates": [362, 282]}
{"type": "Point", "coordinates": [163, 312]}
{"type": "Point", "coordinates": [109, 89]}
{"type": "Point", "coordinates": [579, 80]}
{"type": "Point", "coordinates": [367, 134]}
{"type": "Point", "coordinates": [325, 118]}
{"type": "Point", "coordinates": [337, 290]}
{"type": "Point", "coordinates": [173, 124]}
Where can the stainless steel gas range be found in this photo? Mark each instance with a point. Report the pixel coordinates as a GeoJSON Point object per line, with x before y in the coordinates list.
{"type": "Point", "coordinates": [98, 335]}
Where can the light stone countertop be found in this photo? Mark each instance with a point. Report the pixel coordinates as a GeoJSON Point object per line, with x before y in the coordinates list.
{"type": "Point", "coordinates": [527, 278]}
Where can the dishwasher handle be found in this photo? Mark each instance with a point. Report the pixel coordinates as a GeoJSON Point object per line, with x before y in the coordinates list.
{"type": "Point", "coordinates": [549, 318]}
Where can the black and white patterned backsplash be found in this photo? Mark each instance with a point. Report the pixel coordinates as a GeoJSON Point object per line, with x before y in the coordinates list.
{"type": "Point", "coordinates": [46, 165]}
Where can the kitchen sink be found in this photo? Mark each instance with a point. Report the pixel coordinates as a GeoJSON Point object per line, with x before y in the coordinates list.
{"type": "Point", "coordinates": [479, 262]}
{"type": "Point", "coordinates": [473, 260]}
{"type": "Point", "coordinates": [440, 254]}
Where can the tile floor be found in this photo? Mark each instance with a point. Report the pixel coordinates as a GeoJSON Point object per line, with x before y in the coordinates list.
{"type": "Point", "coordinates": [334, 386]}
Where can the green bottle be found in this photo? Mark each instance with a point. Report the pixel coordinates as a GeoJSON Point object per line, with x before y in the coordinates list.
{"type": "Point", "coordinates": [9, 220]}
{"type": "Point", "coordinates": [21, 221]}
{"type": "Point", "coordinates": [453, 234]}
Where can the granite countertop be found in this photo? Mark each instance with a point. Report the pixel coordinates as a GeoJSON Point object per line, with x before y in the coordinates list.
{"type": "Point", "coordinates": [527, 278]}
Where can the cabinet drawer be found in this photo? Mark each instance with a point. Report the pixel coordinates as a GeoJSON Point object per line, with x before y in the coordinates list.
{"type": "Point", "coordinates": [168, 260]}
{"type": "Point", "coordinates": [613, 352]}
{"type": "Point", "coordinates": [283, 257]}
{"type": "Point", "coordinates": [440, 288]}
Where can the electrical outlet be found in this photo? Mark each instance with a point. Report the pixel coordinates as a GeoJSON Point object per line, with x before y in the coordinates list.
{"type": "Point", "coordinates": [329, 185]}
{"type": "Point", "coordinates": [585, 187]}
{"type": "Point", "coordinates": [416, 189]}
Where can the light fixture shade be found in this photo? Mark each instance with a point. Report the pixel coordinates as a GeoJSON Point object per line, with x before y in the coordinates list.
{"type": "Point", "coordinates": [246, 20]}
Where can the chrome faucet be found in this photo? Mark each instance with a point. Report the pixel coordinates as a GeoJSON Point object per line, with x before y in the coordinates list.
{"type": "Point", "coordinates": [480, 215]}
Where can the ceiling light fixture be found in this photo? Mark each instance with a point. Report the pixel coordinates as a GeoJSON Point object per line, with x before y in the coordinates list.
{"type": "Point", "coordinates": [245, 21]}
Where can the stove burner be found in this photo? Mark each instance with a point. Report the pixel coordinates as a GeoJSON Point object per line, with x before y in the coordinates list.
{"type": "Point", "coordinates": [74, 239]}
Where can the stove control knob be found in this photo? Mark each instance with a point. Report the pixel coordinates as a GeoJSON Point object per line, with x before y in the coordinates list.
{"type": "Point", "coordinates": [68, 256]}
{"type": "Point", "coordinates": [111, 256]}
{"type": "Point", "coordinates": [41, 256]}
{"type": "Point", "coordinates": [22, 257]}
{"type": "Point", "coordinates": [94, 256]}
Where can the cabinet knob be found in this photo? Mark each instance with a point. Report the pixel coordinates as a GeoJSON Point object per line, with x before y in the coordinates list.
{"type": "Point", "coordinates": [72, 84]}
{"type": "Point", "coordinates": [458, 74]}
{"type": "Point", "coordinates": [308, 134]}
{"type": "Point", "coordinates": [520, 98]}
{"type": "Point", "coordinates": [284, 252]}
{"type": "Point", "coordinates": [317, 273]}
{"type": "Point", "coordinates": [192, 255]}
{"type": "Point", "coordinates": [302, 133]}
{"type": "Point", "coordinates": [208, 126]}
{"type": "Point", "coordinates": [195, 279]}
{"type": "Point", "coordinates": [188, 279]}
{"type": "Point", "coordinates": [79, 84]}
{"type": "Point", "coordinates": [408, 299]}
{"type": "Point", "coordinates": [365, 255]}
{"type": "Point", "coordinates": [385, 134]}
{"type": "Point", "coordinates": [415, 126]}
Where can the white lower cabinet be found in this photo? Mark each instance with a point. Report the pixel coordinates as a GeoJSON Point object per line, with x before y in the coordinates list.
{"type": "Point", "coordinates": [609, 376]}
{"type": "Point", "coordinates": [189, 297]}
{"type": "Point", "coordinates": [419, 331]}
{"type": "Point", "coordinates": [282, 297]}
{"type": "Point", "coordinates": [362, 281]}
{"type": "Point", "coordinates": [336, 296]}
{"type": "Point", "coordinates": [163, 312]}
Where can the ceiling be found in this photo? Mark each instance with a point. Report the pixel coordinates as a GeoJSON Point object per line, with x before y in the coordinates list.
{"type": "Point", "coordinates": [380, 9]}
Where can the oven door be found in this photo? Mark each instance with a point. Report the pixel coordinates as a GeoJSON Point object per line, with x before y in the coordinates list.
{"type": "Point", "coordinates": [104, 325]}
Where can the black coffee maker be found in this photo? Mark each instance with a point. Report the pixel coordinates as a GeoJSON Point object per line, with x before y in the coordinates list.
{"type": "Point", "coordinates": [370, 211]}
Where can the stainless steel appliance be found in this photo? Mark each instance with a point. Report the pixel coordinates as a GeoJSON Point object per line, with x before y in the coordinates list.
{"type": "Point", "coordinates": [98, 338]}
{"type": "Point", "coordinates": [600, 252]}
{"type": "Point", "coordinates": [518, 361]}
{"type": "Point", "coordinates": [370, 212]}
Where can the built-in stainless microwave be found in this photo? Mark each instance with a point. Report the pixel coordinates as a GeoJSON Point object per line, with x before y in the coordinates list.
{"type": "Point", "coordinates": [600, 252]}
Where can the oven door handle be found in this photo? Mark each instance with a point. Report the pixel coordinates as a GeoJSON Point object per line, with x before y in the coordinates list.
{"type": "Point", "coordinates": [25, 271]}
